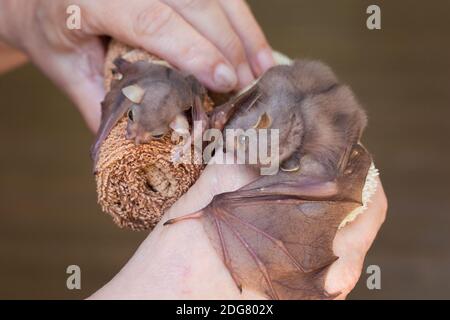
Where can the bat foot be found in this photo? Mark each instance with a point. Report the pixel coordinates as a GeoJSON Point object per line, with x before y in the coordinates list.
{"type": "Point", "coordinates": [195, 215]}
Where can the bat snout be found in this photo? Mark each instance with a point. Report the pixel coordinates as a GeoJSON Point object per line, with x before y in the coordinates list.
{"type": "Point", "coordinates": [139, 136]}
{"type": "Point", "coordinates": [143, 138]}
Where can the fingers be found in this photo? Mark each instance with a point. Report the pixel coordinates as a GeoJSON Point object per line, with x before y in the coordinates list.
{"type": "Point", "coordinates": [352, 243]}
{"type": "Point", "coordinates": [259, 53]}
{"type": "Point", "coordinates": [219, 42]}
{"type": "Point", "coordinates": [367, 225]}
{"type": "Point", "coordinates": [87, 96]}
{"type": "Point", "coordinates": [208, 18]}
{"type": "Point", "coordinates": [157, 28]}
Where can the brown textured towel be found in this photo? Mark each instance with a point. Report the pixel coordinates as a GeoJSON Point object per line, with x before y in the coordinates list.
{"type": "Point", "coordinates": [136, 184]}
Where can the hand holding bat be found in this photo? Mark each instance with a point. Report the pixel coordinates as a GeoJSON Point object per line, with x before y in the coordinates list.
{"type": "Point", "coordinates": [275, 235]}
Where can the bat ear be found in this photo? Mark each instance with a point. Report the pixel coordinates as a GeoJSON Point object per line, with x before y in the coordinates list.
{"type": "Point", "coordinates": [134, 93]}
{"type": "Point", "coordinates": [264, 121]}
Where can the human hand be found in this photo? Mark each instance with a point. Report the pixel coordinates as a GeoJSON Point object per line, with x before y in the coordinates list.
{"type": "Point", "coordinates": [218, 41]}
{"type": "Point", "coordinates": [179, 262]}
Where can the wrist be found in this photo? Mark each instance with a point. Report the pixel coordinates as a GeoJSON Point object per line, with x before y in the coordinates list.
{"type": "Point", "coordinates": [179, 261]}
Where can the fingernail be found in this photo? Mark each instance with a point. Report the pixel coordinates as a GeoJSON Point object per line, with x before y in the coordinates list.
{"type": "Point", "coordinates": [265, 59]}
{"type": "Point", "coordinates": [225, 77]}
{"type": "Point", "coordinates": [245, 75]}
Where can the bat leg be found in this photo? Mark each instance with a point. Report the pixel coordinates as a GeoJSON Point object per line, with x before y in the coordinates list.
{"type": "Point", "coordinates": [342, 163]}
{"type": "Point", "coordinates": [199, 114]}
{"type": "Point", "coordinates": [195, 215]}
{"type": "Point", "coordinates": [198, 111]}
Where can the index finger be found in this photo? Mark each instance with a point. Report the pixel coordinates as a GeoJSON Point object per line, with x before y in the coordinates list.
{"type": "Point", "coordinates": [258, 50]}
{"type": "Point", "coordinates": [156, 28]}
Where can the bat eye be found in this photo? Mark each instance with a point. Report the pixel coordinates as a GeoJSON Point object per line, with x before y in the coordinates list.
{"type": "Point", "coordinates": [130, 115]}
{"type": "Point", "coordinates": [158, 136]}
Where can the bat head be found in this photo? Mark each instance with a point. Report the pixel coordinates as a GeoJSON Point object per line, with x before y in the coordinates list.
{"type": "Point", "coordinates": [154, 108]}
{"type": "Point", "coordinates": [272, 112]}
{"type": "Point", "coordinates": [268, 131]}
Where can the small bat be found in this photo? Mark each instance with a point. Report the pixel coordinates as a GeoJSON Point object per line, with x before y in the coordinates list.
{"type": "Point", "coordinates": [154, 97]}
{"type": "Point", "coordinates": [275, 235]}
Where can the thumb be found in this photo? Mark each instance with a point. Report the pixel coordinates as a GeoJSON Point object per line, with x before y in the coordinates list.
{"type": "Point", "coordinates": [215, 179]}
{"type": "Point", "coordinates": [79, 73]}
{"type": "Point", "coordinates": [87, 92]}
{"type": "Point", "coordinates": [83, 81]}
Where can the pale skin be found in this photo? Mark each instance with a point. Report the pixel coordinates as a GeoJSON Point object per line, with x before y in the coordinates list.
{"type": "Point", "coordinates": [221, 44]}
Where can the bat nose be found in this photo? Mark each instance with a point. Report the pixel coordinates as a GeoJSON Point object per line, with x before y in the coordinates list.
{"type": "Point", "coordinates": [142, 138]}
{"type": "Point", "coordinates": [130, 135]}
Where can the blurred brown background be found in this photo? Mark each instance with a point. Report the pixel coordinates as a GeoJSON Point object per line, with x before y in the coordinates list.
{"type": "Point", "coordinates": [49, 218]}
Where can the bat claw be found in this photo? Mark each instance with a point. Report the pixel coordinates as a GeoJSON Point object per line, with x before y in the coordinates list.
{"type": "Point", "coordinates": [169, 222]}
{"type": "Point", "coordinates": [195, 215]}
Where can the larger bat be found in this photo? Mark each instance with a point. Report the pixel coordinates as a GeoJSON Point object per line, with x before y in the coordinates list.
{"type": "Point", "coordinates": [275, 235]}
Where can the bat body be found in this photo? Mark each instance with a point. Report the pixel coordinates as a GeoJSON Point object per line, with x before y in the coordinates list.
{"type": "Point", "coordinates": [315, 115]}
{"type": "Point", "coordinates": [154, 97]}
{"type": "Point", "coordinates": [275, 235]}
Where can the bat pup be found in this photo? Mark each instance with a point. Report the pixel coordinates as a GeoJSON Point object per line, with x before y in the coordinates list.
{"type": "Point", "coordinates": [155, 98]}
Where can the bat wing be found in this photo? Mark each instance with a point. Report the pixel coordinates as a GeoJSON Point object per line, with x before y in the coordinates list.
{"type": "Point", "coordinates": [276, 234]}
{"type": "Point", "coordinates": [113, 108]}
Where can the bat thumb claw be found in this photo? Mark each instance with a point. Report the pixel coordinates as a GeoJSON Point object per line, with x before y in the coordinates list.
{"type": "Point", "coordinates": [168, 222]}
{"type": "Point", "coordinates": [195, 215]}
